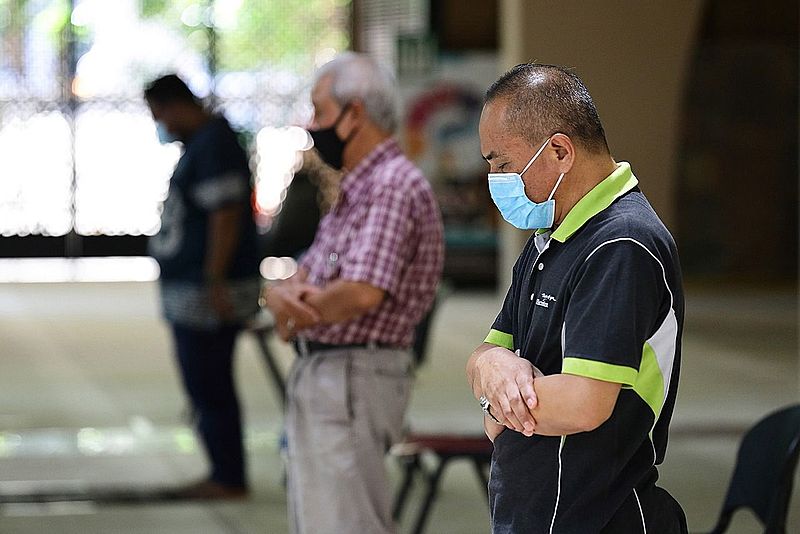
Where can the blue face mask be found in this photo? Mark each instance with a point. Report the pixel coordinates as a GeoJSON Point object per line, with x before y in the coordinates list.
{"type": "Point", "coordinates": [508, 192]}
{"type": "Point", "coordinates": [164, 136]}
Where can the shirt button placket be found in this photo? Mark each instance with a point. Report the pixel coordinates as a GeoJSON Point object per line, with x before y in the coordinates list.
{"type": "Point", "coordinates": [539, 267]}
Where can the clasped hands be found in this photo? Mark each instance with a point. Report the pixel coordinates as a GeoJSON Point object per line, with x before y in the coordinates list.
{"type": "Point", "coordinates": [506, 380]}
{"type": "Point", "coordinates": [287, 302]}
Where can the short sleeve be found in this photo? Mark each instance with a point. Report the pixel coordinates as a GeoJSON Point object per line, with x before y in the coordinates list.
{"type": "Point", "coordinates": [223, 175]}
{"type": "Point", "coordinates": [618, 296]}
{"type": "Point", "coordinates": [502, 331]}
{"type": "Point", "coordinates": [377, 256]}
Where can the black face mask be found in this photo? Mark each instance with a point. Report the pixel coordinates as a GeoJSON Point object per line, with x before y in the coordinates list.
{"type": "Point", "coordinates": [328, 144]}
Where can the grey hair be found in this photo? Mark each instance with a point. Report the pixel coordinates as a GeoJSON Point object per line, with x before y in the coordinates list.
{"type": "Point", "coordinates": [357, 76]}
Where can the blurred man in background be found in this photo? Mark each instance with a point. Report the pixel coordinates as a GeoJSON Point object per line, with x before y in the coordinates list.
{"type": "Point", "coordinates": [364, 284]}
{"type": "Point", "coordinates": [207, 253]}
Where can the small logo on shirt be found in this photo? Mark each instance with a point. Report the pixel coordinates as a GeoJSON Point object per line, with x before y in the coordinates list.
{"type": "Point", "coordinates": [544, 300]}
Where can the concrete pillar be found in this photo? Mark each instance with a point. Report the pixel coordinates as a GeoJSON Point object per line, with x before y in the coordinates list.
{"type": "Point", "coordinates": [634, 57]}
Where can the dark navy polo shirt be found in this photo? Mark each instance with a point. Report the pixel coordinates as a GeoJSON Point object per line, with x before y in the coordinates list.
{"type": "Point", "coordinates": [600, 297]}
{"type": "Point", "coordinates": [212, 173]}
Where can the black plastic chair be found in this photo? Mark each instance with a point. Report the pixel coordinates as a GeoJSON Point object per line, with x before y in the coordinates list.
{"type": "Point", "coordinates": [764, 474]}
{"type": "Point", "coordinates": [422, 332]}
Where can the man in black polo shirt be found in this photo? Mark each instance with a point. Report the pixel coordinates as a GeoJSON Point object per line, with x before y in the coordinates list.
{"type": "Point", "coordinates": [579, 372]}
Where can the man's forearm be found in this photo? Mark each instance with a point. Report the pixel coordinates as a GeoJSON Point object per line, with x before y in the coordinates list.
{"type": "Point", "coordinates": [554, 405]}
{"type": "Point", "coordinates": [569, 404]}
{"type": "Point", "coordinates": [471, 363]}
{"type": "Point", "coordinates": [342, 301]}
{"type": "Point", "coordinates": [223, 239]}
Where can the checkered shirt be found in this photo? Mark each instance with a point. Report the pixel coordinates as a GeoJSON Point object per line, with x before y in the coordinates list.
{"type": "Point", "coordinates": [386, 231]}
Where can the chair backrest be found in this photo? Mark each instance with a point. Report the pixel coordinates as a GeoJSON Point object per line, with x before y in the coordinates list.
{"type": "Point", "coordinates": [764, 473]}
{"type": "Point", "coordinates": [421, 335]}
{"type": "Point", "coordinates": [422, 331]}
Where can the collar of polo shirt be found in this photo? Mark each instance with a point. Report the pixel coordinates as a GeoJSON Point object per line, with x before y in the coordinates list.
{"type": "Point", "coordinates": [599, 198]}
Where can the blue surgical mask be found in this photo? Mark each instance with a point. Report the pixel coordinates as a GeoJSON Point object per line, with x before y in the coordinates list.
{"type": "Point", "coordinates": [508, 192]}
{"type": "Point", "coordinates": [164, 136]}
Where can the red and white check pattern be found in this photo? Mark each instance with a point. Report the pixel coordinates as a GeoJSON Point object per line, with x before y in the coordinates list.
{"type": "Point", "coordinates": [385, 230]}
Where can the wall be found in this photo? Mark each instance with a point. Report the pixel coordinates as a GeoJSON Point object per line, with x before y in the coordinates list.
{"type": "Point", "coordinates": [634, 57]}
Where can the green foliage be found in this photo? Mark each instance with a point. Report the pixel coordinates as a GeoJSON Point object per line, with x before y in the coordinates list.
{"type": "Point", "coordinates": [168, 11]}
{"type": "Point", "coordinates": [11, 15]}
{"type": "Point", "coordinates": [276, 32]}
{"type": "Point", "coordinates": [153, 8]}
{"type": "Point", "coordinates": [260, 32]}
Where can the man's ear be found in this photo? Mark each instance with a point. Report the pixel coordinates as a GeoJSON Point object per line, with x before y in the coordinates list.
{"type": "Point", "coordinates": [565, 151]}
{"type": "Point", "coordinates": [357, 110]}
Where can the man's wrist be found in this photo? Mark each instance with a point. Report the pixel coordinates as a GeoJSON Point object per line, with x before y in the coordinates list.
{"type": "Point", "coordinates": [475, 367]}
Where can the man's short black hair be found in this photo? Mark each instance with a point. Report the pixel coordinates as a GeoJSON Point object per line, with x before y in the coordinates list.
{"type": "Point", "coordinates": [547, 99]}
{"type": "Point", "coordinates": [169, 89]}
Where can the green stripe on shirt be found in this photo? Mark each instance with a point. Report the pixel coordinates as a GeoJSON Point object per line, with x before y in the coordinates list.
{"type": "Point", "coordinates": [647, 382]}
{"type": "Point", "coordinates": [599, 198]}
{"type": "Point", "coordinates": [650, 383]}
{"type": "Point", "coordinates": [501, 339]}
{"type": "Point", "coordinates": [607, 372]}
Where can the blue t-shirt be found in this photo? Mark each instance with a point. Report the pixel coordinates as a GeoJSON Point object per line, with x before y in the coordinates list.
{"type": "Point", "coordinates": [213, 173]}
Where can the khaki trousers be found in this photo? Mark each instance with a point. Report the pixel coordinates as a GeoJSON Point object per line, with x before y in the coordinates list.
{"type": "Point", "coordinates": [345, 408]}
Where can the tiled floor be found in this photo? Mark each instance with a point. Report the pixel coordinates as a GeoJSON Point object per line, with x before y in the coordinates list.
{"type": "Point", "coordinates": [89, 399]}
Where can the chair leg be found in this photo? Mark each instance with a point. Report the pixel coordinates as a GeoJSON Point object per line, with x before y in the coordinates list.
{"type": "Point", "coordinates": [410, 468]}
{"type": "Point", "coordinates": [430, 496]}
{"type": "Point", "coordinates": [272, 366]}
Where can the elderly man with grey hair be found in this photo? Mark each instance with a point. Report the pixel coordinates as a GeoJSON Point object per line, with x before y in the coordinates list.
{"type": "Point", "coordinates": [351, 309]}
